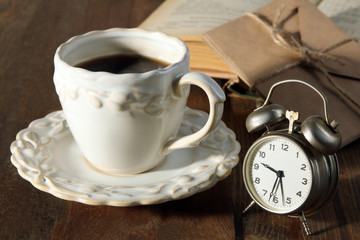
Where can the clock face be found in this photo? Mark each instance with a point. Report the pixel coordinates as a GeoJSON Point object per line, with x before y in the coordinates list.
{"type": "Point", "coordinates": [278, 174]}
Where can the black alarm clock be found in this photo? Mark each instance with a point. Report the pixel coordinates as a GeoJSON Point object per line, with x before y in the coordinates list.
{"type": "Point", "coordinates": [292, 168]}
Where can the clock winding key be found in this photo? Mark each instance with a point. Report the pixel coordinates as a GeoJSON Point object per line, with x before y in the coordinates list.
{"type": "Point", "coordinates": [292, 117]}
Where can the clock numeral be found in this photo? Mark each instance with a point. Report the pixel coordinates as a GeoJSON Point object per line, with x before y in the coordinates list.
{"type": "Point", "coordinates": [257, 180]}
{"type": "Point", "coordinates": [275, 199]}
{"type": "Point", "coordinates": [297, 154]}
{"type": "Point", "coordinates": [262, 154]}
{"type": "Point", "coordinates": [299, 193]}
{"type": "Point", "coordinates": [265, 192]}
{"type": "Point", "coordinates": [305, 181]}
{"type": "Point", "coordinates": [288, 200]}
{"type": "Point", "coordinates": [284, 147]}
{"type": "Point", "coordinates": [256, 166]}
{"type": "Point", "coordinates": [303, 167]}
{"type": "Point", "coordinates": [272, 147]}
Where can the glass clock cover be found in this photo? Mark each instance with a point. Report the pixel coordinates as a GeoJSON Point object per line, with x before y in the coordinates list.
{"type": "Point", "coordinates": [278, 174]}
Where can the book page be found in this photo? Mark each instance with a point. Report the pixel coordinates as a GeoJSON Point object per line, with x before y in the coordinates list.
{"type": "Point", "coordinates": [194, 17]}
{"type": "Point", "coordinates": [345, 14]}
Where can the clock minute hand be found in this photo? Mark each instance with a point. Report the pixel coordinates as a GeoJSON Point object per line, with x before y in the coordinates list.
{"type": "Point", "coordinates": [275, 186]}
{"type": "Point", "coordinates": [270, 168]}
{"type": "Point", "coordinates": [282, 187]}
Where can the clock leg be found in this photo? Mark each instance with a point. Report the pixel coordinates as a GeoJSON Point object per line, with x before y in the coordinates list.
{"type": "Point", "coordinates": [248, 207]}
{"type": "Point", "coordinates": [304, 223]}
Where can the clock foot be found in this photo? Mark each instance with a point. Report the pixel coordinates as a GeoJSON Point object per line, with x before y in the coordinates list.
{"type": "Point", "coordinates": [248, 207]}
{"type": "Point", "coordinates": [304, 223]}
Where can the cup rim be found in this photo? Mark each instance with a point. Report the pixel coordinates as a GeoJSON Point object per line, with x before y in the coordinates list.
{"type": "Point", "coordinates": [58, 59]}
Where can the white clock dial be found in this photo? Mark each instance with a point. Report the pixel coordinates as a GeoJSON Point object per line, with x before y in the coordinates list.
{"type": "Point", "coordinates": [278, 174]}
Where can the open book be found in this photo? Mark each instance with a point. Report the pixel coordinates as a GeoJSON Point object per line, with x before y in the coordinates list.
{"type": "Point", "coordinates": [345, 14]}
{"type": "Point", "coordinates": [189, 19]}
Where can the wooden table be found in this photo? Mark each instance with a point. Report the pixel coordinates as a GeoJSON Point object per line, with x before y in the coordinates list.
{"type": "Point", "coordinates": [30, 31]}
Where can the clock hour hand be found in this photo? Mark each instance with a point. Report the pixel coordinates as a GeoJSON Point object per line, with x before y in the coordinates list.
{"type": "Point", "coordinates": [270, 168]}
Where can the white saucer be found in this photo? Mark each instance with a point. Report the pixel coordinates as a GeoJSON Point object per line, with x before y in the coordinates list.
{"type": "Point", "coordinates": [46, 155]}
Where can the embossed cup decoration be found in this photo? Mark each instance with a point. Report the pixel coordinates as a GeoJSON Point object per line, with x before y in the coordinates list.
{"type": "Point", "coordinates": [127, 123]}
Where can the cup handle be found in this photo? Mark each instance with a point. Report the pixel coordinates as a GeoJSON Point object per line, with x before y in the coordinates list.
{"type": "Point", "coordinates": [216, 98]}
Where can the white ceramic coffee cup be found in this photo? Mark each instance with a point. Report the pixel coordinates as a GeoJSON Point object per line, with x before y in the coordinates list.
{"type": "Point", "coordinates": [127, 123]}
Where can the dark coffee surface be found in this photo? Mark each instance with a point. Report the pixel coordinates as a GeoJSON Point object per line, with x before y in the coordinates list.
{"type": "Point", "coordinates": [122, 64]}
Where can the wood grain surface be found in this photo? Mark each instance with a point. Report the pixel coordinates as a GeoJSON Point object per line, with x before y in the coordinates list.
{"type": "Point", "coordinates": [30, 31]}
